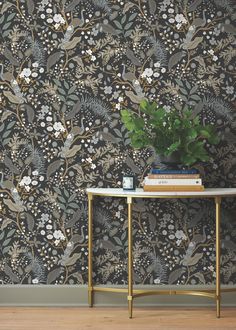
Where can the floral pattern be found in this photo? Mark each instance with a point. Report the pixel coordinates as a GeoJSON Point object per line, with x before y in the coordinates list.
{"type": "Point", "coordinates": [67, 68]}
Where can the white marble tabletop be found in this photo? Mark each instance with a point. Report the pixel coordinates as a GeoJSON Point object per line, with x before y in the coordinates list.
{"type": "Point", "coordinates": [119, 192]}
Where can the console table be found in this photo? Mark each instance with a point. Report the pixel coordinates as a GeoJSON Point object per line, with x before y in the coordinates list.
{"type": "Point", "coordinates": [213, 193]}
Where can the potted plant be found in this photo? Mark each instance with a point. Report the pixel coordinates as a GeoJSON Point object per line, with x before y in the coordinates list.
{"type": "Point", "coordinates": [176, 136]}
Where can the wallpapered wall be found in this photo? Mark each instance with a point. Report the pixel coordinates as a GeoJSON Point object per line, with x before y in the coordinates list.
{"type": "Point", "coordinates": [67, 68]}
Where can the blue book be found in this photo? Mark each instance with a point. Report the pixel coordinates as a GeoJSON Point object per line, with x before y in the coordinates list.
{"type": "Point", "coordinates": [159, 171]}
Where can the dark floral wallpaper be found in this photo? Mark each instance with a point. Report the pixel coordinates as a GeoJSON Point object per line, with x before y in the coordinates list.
{"type": "Point", "coordinates": [67, 68]}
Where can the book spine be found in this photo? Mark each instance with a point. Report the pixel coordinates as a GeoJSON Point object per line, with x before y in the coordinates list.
{"type": "Point", "coordinates": [158, 171]}
{"type": "Point", "coordinates": [172, 188]}
{"type": "Point", "coordinates": [172, 182]}
{"type": "Point", "coordinates": [173, 176]}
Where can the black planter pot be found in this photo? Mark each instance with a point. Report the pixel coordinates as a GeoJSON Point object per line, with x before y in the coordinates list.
{"type": "Point", "coordinates": [171, 162]}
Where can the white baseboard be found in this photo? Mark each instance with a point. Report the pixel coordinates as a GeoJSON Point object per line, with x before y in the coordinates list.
{"type": "Point", "coordinates": [76, 295]}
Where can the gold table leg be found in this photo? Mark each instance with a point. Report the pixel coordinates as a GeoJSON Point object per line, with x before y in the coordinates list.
{"type": "Point", "coordinates": [218, 295]}
{"type": "Point", "coordinates": [90, 250]}
{"type": "Point", "coordinates": [130, 258]}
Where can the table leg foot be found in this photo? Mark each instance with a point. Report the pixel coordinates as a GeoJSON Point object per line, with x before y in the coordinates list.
{"type": "Point", "coordinates": [90, 299]}
{"type": "Point", "coordinates": [218, 308]}
{"type": "Point", "coordinates": [130, 306]}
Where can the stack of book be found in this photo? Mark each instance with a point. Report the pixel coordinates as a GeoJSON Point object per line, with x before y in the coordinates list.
{"type": "Point", "coordinates": [173, 180]}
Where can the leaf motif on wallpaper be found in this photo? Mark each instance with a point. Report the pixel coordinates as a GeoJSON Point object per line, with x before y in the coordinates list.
{"type": "Point", "coordinates": [192, 44]}
{"type": "Point", "coordinates": [228, 245]}
{"type": "Point", "coordinates": [53, 275]}
{"type": "Point", "coordinates": [230, 138]}
{"type": "Point", "coordinates": [30, 221]}
{"type": "Point", "coordinates": [76, 216]}
{"type": "Point", "coordinates": [193, 6]}
{"type": "Point", "coordinates": [103, 5]}
{"type": "Point", "coordinates": [13, 206]}
{"type": "Point", "coordinates": [70, 44]}
{"type": "Point", "coordinates": [79, 170]}
{"type": "Point", "coordinates": [5, 6]}
{"type": "Point", "coordinates": [8, 76]}
{"type": "Point", "coordinates": [72, 5]}
{"type": "Point", "coordinates": [13, 98]}
{"type": "Point", "coordinates": [69, 261]}
{"type": "Point", "coordinates": [109, 137]}
{"type": "Point", "coordinates": [200, 276]}
{"type": "Point", "coordinates": [13, 277]}
{"type": "Point", "coordinates": [30, 113]}
{"type": "Point", "coordinates": [218, 106]}
{"type": "Point", "coordinates": [229, 28]}
{"type": "Point", "coordinates": [175, 275]}
{"type": "Point", "coordinates": [107, 54]}
{"type": "Point", "coordinates": [152, 221]}
{"type": "Point", "coordinates": [152, 6]}
{"type": "Point", "coordinates": [5, 223]}
{"type": "Point", "coordinates": [30, 6]}
{"type": "Point", "coordinates": [79, 61]}
{"type": "Point", "coordinates": [99, 107]}
{"type": "Point", "coordinates": [76, 108]}
{"type": "Point", "coordinates": [158, 50]}
{"type": "Point", "coordinates": [107, 28]}
{"type": "Point", "coordinates": [157, 266]}
{"type": "Point", "coordinates": [131, 56]}
{"type": "Point", "coordinates": [5, 115]}
{"type": "Point", "coordinates": [191, 261]}
{"type": "Point", "coordinates": [140, 206]}
{"type": "Point", "coordinates": [92, 83]}
{"type": "Point", "coordinates": [53, 59]}
{"type": "Point", "coordinates": [129, 161]}
{"type": "Point", "coordinates": [8, 162]}
{"type": "Point", "coordinates": [8, 54]}
{"type": "Point", "coordinates": [197, 109]}
{"type": "Point", "coordinates": [109, 246]}
{"type": "Point", "coordinates": [201, 61]}
{"type": "Point", "coordinates": [72, 152]}
{"type": "Point", "coordinates": [118, 25]}
{"type": "Point", "coordinates": [199, 215]}
{"type": "Point", "coordinates": [175, 59]}
{"type": "Point", "coordinates": [53, 167]}
{"type": "Point", "coordinates": [225, 4]}
{"type": "Point", "coordinates": [134, 97]}
{"type": "Point", "coordinates": [118, 240]}
{"type": "Point", "coordinates": [7, 131]}
{"type": "Point", "coordinates": [127, 7]}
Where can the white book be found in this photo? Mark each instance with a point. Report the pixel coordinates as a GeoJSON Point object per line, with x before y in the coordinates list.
{"type": "Point", "coordinates": [172, 182]}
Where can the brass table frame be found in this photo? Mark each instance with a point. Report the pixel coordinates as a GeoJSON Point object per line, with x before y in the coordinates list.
{"type": "Point", "coordinates": [133, 293]}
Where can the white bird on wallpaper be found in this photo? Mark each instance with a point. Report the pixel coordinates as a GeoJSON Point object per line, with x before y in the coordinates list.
{"type": "Point", "coordinates": [200, 238]}
{"type": "Point", "coordinates": [7, 75]}
{"type": "Point", "coordinates": [79, 21]}
{"type": "Point", "coordinates": [81, 237]}
{"type": "Point", "coordinates": [200, 22]}
{"type": "Point", "coordinates": [130, 76]}
{"type": "Point", "coordinates": [81, 129]}
{"type": "Point", "coordinates": [191, 257]}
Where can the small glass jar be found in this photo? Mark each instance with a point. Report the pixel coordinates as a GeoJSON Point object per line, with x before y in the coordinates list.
{"type": "Point", "coordinates": [128, 182]}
